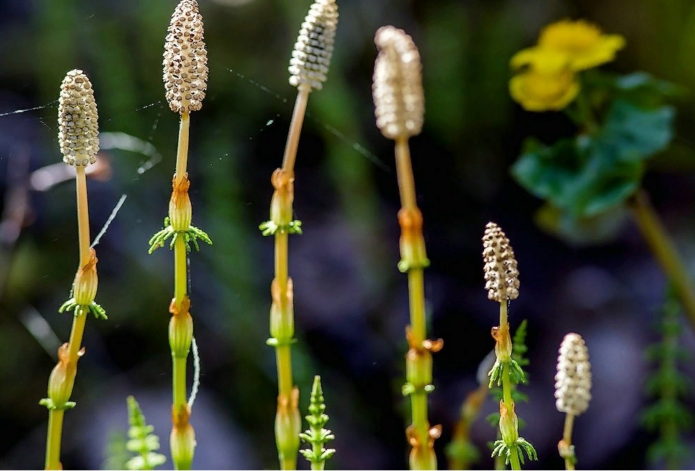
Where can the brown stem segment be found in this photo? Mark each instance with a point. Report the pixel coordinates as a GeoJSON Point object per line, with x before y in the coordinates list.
{"type": "Point", "coordinates": [664, 251]}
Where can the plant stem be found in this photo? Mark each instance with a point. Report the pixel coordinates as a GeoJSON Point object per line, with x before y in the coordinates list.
{"type": "Point", "coordinates": [506, 380]}
{"type": "Point", "coordinates": [664, 251]}
{"type": "Point", "coordinates": [180, 276]}
{"type": "Point", "coordinates": [419, 357]}
{"type": "Point", "coordinates": [404, 169]}
{"type": "Point", "coordinates": [282, 322]}
{"type": "Point", "coordinates": [55, 430]}
{"type": "Point", "coordinates": [180, 270]}
{"type": "Point", "coordinates": [567, 439]}
{"type": "Point", "coordinates": [82, 215]}
{"type": "Point", "coordinates": [295, 128]}
{"type": "Point", "coordinates": [179, 381]}
{"type": "Point", "coordinates": [283, 357]}
{"type": "Point", "coordinates": [514, 460]}
{"type": "Point", "coordinates": [182, 150]}
{"type": "Point", "coordinates": [416, 287]}
{"type": "Point", "coordinates": [55, 417]}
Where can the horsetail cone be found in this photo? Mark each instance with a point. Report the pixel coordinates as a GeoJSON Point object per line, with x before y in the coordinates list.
{"type": "Point", "coordinates": [185, 59]}
{"type": "Point", "coordinates": [399, 99]}
{"type": "Point", "coordinates": [573, 378]}
{"type": "Point", "coordinates": [501, 272]}
{"type": "Point", "coordinates": [78, 127]}
{"type": "Point", "coordinates": [312, 52]}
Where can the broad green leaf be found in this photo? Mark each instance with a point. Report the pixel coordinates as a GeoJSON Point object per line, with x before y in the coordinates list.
{"type": "Point", "coordinates": [591, 174]}
{"type": "Point", "coordinates": [636, 133]}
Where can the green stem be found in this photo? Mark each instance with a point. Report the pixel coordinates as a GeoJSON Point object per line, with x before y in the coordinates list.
{"type": "Point", "coordinates": [507, 382]}
{"type": "Point", "coordinates": [416, 287]}
{"type": "Point", "coordinates": [179, 381]}
{"type": "Point", "coordinates": [55, 417]}
{"type": "Point", "coordinates": [180, 269]}
{"type": "Point", "coordinates": [664, 251]}
{"type": "Point", "coordinates": [283, 356]}
{"type": "Point", "coordinates": [514, 458]}
{"type": "Point", "coordinates": [55, 430]}
{"type": "Point", "coordinates": [318, 465]}
{"type": "Point", "coordinates": [288, 463]}
{"type": "Point", "coordinates": [567, 438]}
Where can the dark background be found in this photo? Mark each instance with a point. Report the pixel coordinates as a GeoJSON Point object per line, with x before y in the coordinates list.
{"type": "Point", "coordinates": [350, 300]}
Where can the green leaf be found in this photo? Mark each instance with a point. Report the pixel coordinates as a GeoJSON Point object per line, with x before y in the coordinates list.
{"type": "Point", "coordinates": [590, 174]}
{"type": "Point", "coordinates": [638, 133]}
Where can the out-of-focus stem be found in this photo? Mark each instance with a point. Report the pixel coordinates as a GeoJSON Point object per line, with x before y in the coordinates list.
{"type": "Point", "coordinates": [406, 181]}
{"type": "Point", "coordinates": [55, 431]}
{"type": "Point", "coordinates": [567, 439]}
{"type": "Point", "coordinates": [664, 251]}
{"type": "Point", "coordinates": [419, 357]}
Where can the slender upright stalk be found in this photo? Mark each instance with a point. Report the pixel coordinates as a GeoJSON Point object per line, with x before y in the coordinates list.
{"type": "Point", "coordinates": [502, 284]}
{"type": "Point", "coordinates": [55, 432]}
{"type": "Point", "coordinates": [295, 131]}
{"type": "Point", "coordinates": [79, 143]}
{"type": "Point", "coordinates": [185, 76]}
{"type": "Point", "coordinates": [567, 439]}
{"type": "Point", "coordinates": [308, 68]}
{"type": "Point", "coordinates": [572, 390]}
{"type": "Point", "coordinates": [664, 251]}
{"type": "Point", "coordinates": [399, 106]}
{"type": "Point", "coordinates": [182, 148]}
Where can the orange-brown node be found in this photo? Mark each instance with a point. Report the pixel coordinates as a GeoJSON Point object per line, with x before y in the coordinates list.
{"type": "Point", "coordinates": [180, 310]}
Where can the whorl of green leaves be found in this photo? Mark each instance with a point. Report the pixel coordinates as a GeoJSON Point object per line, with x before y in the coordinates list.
{"type": "Point", "coordinates": [668, 386]}
{"type": "Point", "coordinates": [317, 436]}
{"type": "Point", "coordinates": [141, 440]}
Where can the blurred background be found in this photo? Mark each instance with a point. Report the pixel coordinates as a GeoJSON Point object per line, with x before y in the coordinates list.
{"type": "Point", "coordinates": [351, 303]}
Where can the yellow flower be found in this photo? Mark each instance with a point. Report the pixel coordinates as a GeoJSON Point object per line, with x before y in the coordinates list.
{"type": "Point", "coordinates": [547, 84]}
{"type": "Point", "coordinates": [583, 42]}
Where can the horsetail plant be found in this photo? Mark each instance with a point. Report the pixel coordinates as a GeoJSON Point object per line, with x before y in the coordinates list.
{"type": "Point", "coordinates": [185, 80]}
{"type": "Point", "coordinates": [142, 440]}
{"type": "Point", "coordinates": [519, 350]}
{"type": "Point", "coordinates": [572, 389]}
{"type": "Point", "coordinates": [399, 108]}
{"type": "Point", "coordinates": [502, 284]}
{"type": "Point", "coordinates": [317, 436]}
{"type": "Point", "coordinates": [79, 143]}
{"type": "Point", "coordinates": [308, 69]}
{"type": "Point", "coordinates": [668, 387]}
